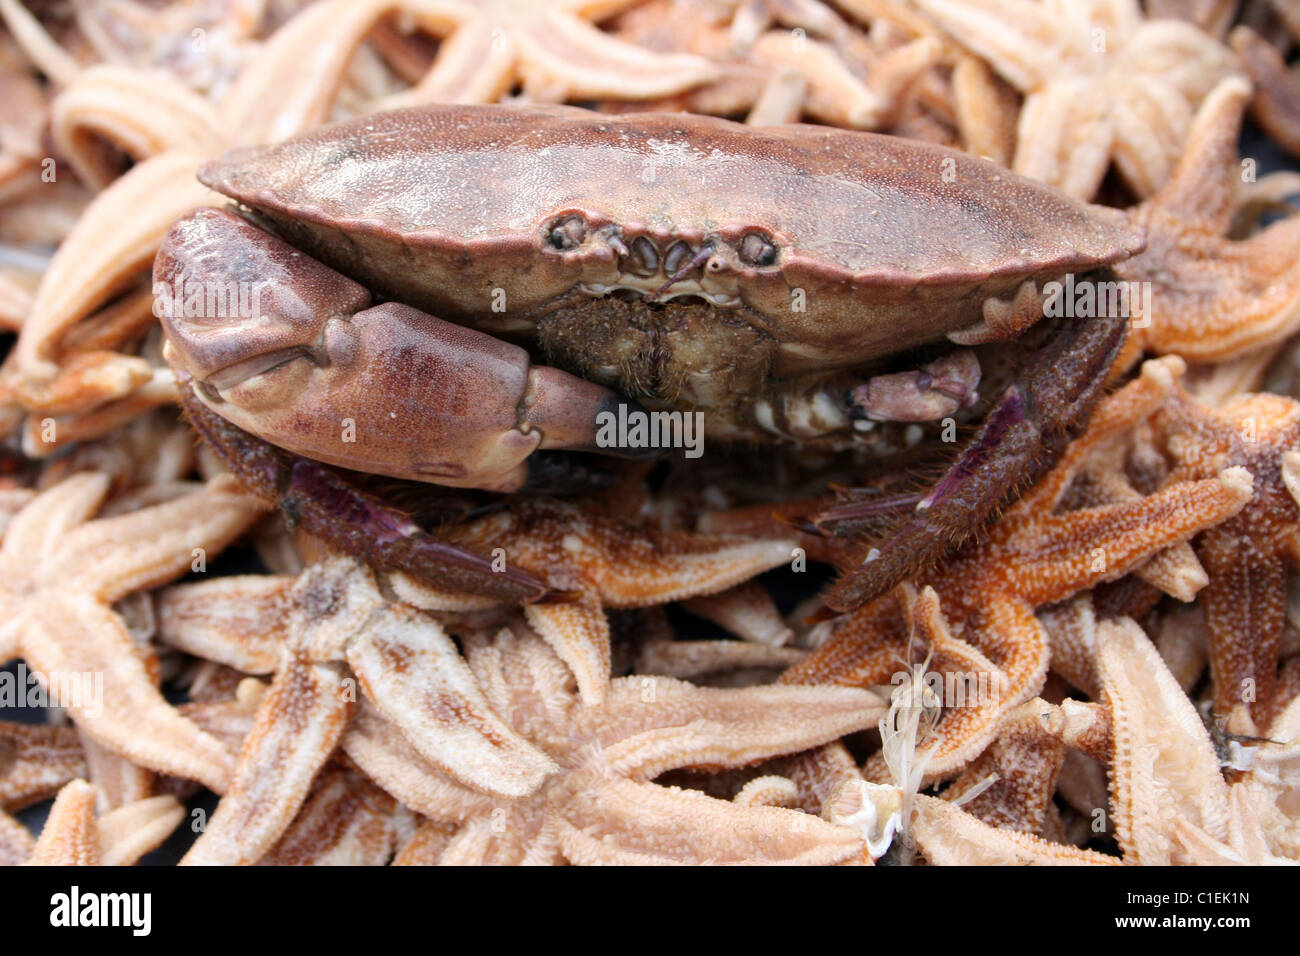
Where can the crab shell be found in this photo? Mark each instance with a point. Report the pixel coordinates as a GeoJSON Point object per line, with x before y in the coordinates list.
{"type": "Point", "coordinates": [871, 244]}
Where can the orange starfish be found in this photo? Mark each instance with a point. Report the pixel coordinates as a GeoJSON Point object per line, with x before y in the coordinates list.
{"type": "Point", "coordinates": [1031, 557]}
{"type": "Point", "coordinates": [1212, 298]}
{"type": "Point", "coordinates": [1247, 556]}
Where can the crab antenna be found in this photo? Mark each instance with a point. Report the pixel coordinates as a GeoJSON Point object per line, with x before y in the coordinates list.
{"type": "Point", "coordinates": [694, 262]}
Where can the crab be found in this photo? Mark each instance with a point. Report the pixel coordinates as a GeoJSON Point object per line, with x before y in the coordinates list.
{"type": "Point", "coordinates": [467, 295]}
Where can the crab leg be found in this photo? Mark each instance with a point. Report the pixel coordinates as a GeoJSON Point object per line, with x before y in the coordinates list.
{"type": "Point", "coordinates": [1023, 434]}
{"type": "Point", "coordinates": [322, 502]}
{"type": "Point", "coordinates": [298, 355]}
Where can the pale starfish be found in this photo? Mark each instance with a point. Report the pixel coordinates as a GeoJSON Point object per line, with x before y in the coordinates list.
{"type": "Point", "coordinates": [602, 806]}
{"type": "Point", "coordinates": [551, 47]}
{"type": "Point", "coordinates": [314, 633]}
{"type": "Point", "coordinates": [35, 761]}
{"type": "Point", "coordinates": [1276, 105]}
{"type": "Point", "coordinates": [839, 77]}
{"type": "Point", "coordinates": [1212, 298]}
{"type": "Point", "coordinates": [59, 577]}
{"type": "Point", "coordinates": [1031, 557]}
{"type": "Point", "coordinates": [601, 562]}
{"type": "Point", "coordinates": [74, 836]}
{"type": "Point", "coordinates": [346, 821]}
{"type": "Point", "coordinates": [1102, 84]}
{"type": "Point", "coordinates": [1169, 800]}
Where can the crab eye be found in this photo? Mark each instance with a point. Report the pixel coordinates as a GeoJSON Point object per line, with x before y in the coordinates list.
{"type": "Point", "coordinates": [757, 249]}
{"type": "Point", "coordinates": [568, 233]}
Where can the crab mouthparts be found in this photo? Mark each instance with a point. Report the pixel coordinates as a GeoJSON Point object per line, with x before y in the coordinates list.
{"type": "Point", "coordinates": [704, 254]}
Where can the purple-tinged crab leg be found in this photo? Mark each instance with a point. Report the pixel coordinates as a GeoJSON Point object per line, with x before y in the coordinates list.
{"type": "Point", "coordinates": [322, 502]}
{"type": "Point", "coordinates": [1027, 429]}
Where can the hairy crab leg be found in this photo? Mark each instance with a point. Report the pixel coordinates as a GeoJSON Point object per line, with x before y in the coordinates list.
{"type": "Point", "coordinates": [322, 502]}
{"type": "Point", "coordinates": [1024, 433]}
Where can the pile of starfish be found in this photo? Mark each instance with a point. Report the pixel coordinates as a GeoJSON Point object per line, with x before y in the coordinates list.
{"type": "Point", "coordinates": [1110, 674]}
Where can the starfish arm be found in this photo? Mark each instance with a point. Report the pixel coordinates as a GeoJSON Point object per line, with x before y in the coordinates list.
{"type": "Point", "coordinates": [626, 822]}
{"type": "Point", "coordinates": [16, 844]}
{"type": "Point", "coordinates": [672, 566]}
{"type": "Point", "coordinates": [427, 844]}
{"type": "Point", "coordinates": [380, 749]}
{"type": "Point", "coordinates": [686, 659]}
{"type": "Point", "coordinates": [34, 531]}
{"type": "Point", "coordinates": [119, 780]}
{"type": "Point", "coordinates": [578, 631]}
{"type": "Point", "coordinates": [139, 827]}
{"type": "Point", "coordinates": [1023, 763]}
{"type": "Point", "coordinates": [1063, 139]}
{"type": "Point", "coordinates": [1016, 37]}
{"type": "Point", "coordinates": [141, 112]}
{"type": "Point", "coordinates": [1097, 544]}
{"type": "Point", "coordinates": [747, 610]}
{"type": "Point", "coordinates": [298, 724]}
{"type": "Point", "coordinates": [347, 821]}
{"type": "Point", "coordinates": [515, 837]}
{"type": "Point", "coordinates": [1007, 644]}
{"type": "Point", "coordinates": [70, 836]}
{"type": "Point", "coordinates": [1149, 125]}
{"type": "Point", "coordinates": [77, 642]}
{"type": "Point", "coordinates": [42, 49]}
{"type": "Point", "coordinates": [834, 93]}
{"type": "Point", "coordinates": [1245, 614]}
{"type": "Point", "coordinates": [867, 647]}
{"type": "Point", "coordinates": [948, 836]}
{"type": "Point", "coordinates": [1164, 766]}
{"type": "Point", "coordinates": [114, 240]}
{"type": "Point", "coordinates": [1201, 194]}
{"type": "Point", "coordinates": [412, 671]}
{"type": "Point", "coordinates": [111, 557]}
{"type": "Point", "coordinates": [987, 110]}
{"type": "Point", "coordinates": [36, 760]}
{"type": "Point", "coordinates": [680, 724]}
{"type": "Point", "coordinates": [291, 84]}
{"type": "Point", "coordinates": [559, 48]}
{"type": "Point", "coordinates": [238, 621]}
{"type": "Point", "coordinates": [1276, 106]}
{"type": "Point", "coordinates": [475, 64]}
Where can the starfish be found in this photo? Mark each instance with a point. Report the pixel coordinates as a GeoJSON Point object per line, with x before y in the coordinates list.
{"type": "Point", "coordinates": [1030, 558]}
{"type": "Point", "coordinates": [1170, 802]}
{"type": "Point", "coordinates": [1212, 297]}
{"type": "Point", "coordinates": [601, 806]}
{"type": "Point", "coordinates": [549, 46]}
{"type": "Point", "coordinates": [1102, 84]}
{"type": "Point", "coordinates": [827, 70]}
{"type": "Point", "coordinates": [59, 577]}
{"type": "Point", "coordinates": [599, 562]}
{"type": "Point", "coordinates": [1276, 105]}
{"type": "Point", "coordinates": [74, 836]}
{"type": "Point", "coordinates": [346, 821]}
{"type": "Point", "coordinates": [322, 634]}
{"type": "Point", "coordinates": [35, 761]}
{"type": "Point", "coordinates": [1247, 556]}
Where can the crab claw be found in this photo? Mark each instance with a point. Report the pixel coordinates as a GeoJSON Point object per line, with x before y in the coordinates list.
{"type": "Point", "coordinates": [294, 352]}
